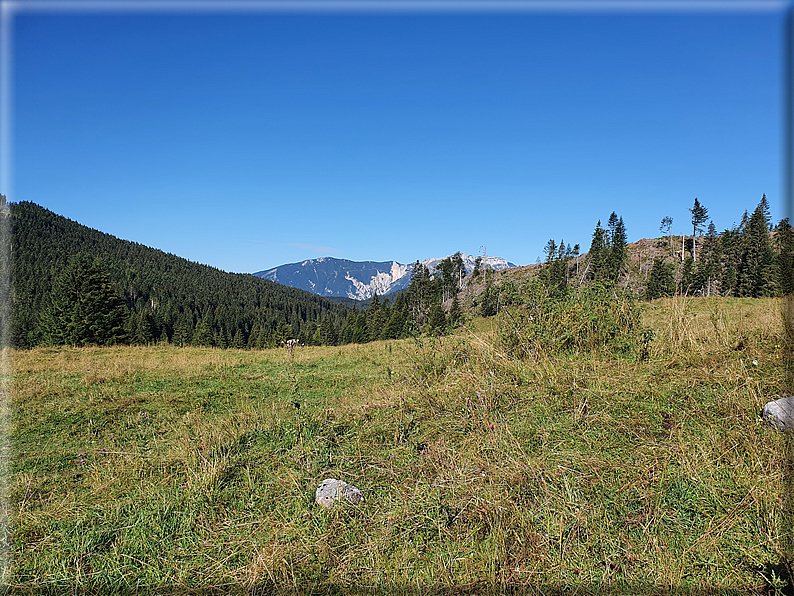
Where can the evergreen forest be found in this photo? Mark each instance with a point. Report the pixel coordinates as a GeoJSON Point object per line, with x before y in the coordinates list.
{"type": "Point", "coordinates": [143, 295]}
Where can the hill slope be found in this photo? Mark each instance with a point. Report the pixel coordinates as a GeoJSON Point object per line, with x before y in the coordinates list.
{"type": "Point", "coordinates": [167, 295]}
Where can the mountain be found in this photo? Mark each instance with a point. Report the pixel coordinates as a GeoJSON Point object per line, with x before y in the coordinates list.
{"type": "Point", "coordinates": [167, 297]}
{"type": "Point", "coordinates": [359, 280]}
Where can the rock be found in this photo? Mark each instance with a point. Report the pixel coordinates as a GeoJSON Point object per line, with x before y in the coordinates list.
{"type": "Point", "coordinates": [780, 414]}
{"type": "Point", "coordinates": [331, 490]}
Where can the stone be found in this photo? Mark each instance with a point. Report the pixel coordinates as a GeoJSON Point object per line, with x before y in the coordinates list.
{"type": "Point", "coordinates": [780, 414]}
{"type": "Point", "coordinates": [332, 490]}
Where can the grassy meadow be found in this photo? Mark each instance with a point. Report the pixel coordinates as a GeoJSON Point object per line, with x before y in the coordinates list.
{"type": "Point", "coordinates": [171, 470]}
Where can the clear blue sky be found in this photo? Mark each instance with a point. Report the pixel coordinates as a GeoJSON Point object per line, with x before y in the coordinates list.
{"type": "Point", "coordinates": [245, 141]}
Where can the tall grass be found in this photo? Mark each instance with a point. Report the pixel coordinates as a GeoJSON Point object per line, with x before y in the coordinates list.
{"type": "Point", "coordinates": [485, 467]}
{"type": "Point", "coordinates": [593, 318]}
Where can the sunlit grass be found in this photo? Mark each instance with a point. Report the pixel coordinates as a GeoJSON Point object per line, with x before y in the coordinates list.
{"type": "Point", "coordinates": [174, 468]}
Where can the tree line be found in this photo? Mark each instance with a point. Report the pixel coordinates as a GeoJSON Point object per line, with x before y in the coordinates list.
{"type": "Point", "coordinates": [751, 259]}
{"type": "Point", "coordinates": [74, 285]}
{"type": "Point", "coordinates": [754, 258]}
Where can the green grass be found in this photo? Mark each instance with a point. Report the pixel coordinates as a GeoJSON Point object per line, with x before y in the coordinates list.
{"type": "Point", "coordinates": [165, 469]}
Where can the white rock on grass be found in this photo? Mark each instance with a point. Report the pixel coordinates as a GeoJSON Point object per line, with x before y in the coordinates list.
{"type": "Point", "coordinates": [332, 490]}
{"type": "Point", "coordinates": [780, 414]}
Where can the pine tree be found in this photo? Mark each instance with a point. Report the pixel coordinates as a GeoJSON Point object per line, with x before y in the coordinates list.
{"type": "Point", "coordinates": [144, 328]}
{"type": "Point", "coordinates": [284, 331]}
{"type": "Point", "coordinates": [346, 336]}
{"type": "Point", "coordinates": [459, 268]}
{"type": "Point", "coordinates": [419, 294]}
{"type": "Point", "coordinates": [85, 308]}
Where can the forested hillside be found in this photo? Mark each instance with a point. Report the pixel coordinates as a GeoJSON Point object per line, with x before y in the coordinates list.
{"type": "Point", "coordinates": [165, 297]}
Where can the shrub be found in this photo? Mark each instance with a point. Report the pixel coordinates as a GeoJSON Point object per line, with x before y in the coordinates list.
{"type": "Point", "coordinates": [594, 318]}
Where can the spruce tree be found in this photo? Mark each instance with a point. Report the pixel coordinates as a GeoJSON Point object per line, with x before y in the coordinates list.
{"type": "Point", "coordinates": [660, 280]}
{"type": "Point", "coordinates": [784, 260]}
{"type": "Point", "coordinates": [489, 299]}
{"type": "Point", "coordinates": [85, 308]}
{"type": "Point", "coordinates": [375, 320]}
{"type": "Point", "coordinates": [202, 334]}
{"type": "Point", "coordinates": [618, 253]}
{"type": "Point", "coordinates": [438, 320]}
{"type": "Point", "coordinates": [360, 333]}
{"type": "Point", "coordinates": [394, 326]}
{"type": "Point", "coordinates": [757, 274]}
{"type": "Point", "coordinates": [455, 312]}
{"type": "Point", "coordinates": [328, 336]}
{"type": "Point", "coordinates": [699, 217]}
{"type": "Point", "coordinates": [597, 256]}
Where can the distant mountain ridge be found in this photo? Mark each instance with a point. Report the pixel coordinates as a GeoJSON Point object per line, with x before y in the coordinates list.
{"type": "Point", "coordinates": [359, 280]}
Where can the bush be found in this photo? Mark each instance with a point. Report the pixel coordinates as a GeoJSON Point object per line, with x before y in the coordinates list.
{"type": "Point", "coordinates": [595, 318]}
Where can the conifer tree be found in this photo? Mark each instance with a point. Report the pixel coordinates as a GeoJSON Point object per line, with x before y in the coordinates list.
{"type": "Point", "coordinates": [489, 299]}
{"type": "Point", "coordinates": [455, 312]}
{"type": "Point", "coordinates": [459, 268]}
{"type": "Point", "coordinates": [327, 332]}
{"type": "Point", "coordinates": [660, 280]}
{"type": "Point", "coordinates": [618, 253]}
{"type": "Point", "coordinates": [438, 320]}
{"type": "Point", "coordinates": [699, 217]}
{"type": "Point", "coordinates": [394, 326]}
{"type": "Point", "coordinates": [665, 228]}
{"type": "Point", "coordinates": [375, 320]}
{"type": "Point", "coordinates": [419, 293]}
{"type": "Point", "coordinates": [253, 337]}
{"type": "Point", "coordinates": [143, 333]}
{"type": "Point", "coordinates": [757, 276]}
{"type": "Point", "coordinates": [784, 260]}
{"type": "Point", "coordinates": [183, 330]}
{"type": "Point", "coordinates": [85, 308]}
{"type": "Point", "coordinates": [360, 334]}
{"type": "Point", "coordinates": [346, 336]}
{"type": "Point", "coordinates": [202, 334]}
{"type": "Point", "coordinates": [597, 256]}
{"type": "Point", "coordinates": [284, 331]}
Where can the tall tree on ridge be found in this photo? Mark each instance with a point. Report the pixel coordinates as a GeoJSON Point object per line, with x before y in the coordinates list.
{"type": "Point", "coordinates": [618, 251]}
{"type": "Point", "coordinates": [665, 229]}
{"type": "Point", "coordinates": [699, 216]}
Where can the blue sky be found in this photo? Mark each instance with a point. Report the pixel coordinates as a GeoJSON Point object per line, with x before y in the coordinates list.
{"type": "Point", "coordinates": [245, 141]}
